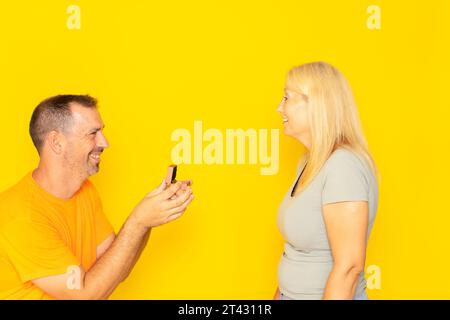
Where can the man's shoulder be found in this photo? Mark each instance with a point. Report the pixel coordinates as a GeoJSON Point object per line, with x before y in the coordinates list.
{"type": "Point", "coordinates": [15, 203]}
{"type": "Point", "coordinates": [19, 192]}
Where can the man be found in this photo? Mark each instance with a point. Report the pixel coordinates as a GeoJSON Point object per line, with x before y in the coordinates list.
{"type": "Point", "coordinates": [55, 241]}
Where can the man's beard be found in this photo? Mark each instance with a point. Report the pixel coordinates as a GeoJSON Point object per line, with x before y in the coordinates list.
{"type": "Point", "coordinates": [93, 161]}
{"type": "Point", "coordinates": [83, 168]}
{"type": "Point", "coordinates": [93, 168]}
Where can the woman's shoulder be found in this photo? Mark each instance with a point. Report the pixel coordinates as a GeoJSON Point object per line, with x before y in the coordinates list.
{"type": "Point", "coordinates": [346, 177]}
{"type": "Point", "coordinates": [345, 159]}
{"type": "Point", "coordinates": [343, 154]}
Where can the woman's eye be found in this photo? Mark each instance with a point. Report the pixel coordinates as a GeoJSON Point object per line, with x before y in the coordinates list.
{"type": "Point", "coordinates": [285, 98]}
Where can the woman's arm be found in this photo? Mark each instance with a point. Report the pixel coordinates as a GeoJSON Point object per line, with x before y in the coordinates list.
{"type": "Point", "coordinates": [346, 224]}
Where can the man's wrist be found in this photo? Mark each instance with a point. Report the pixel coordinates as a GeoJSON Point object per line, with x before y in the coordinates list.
{"type": "Point", "coordinates": [135, 225]}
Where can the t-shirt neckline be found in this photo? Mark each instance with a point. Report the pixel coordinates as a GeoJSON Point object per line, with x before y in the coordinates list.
{"type": "Point", "coordinates": [47, 195]}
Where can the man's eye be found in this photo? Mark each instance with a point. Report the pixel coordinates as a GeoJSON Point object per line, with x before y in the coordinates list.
{"type": "Point", "coordinates": [285, 98]}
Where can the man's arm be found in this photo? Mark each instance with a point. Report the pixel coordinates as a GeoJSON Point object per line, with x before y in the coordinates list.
{"type": "Point", "coordinates": [137, 255]}
{"type": "Point", "coordinates": [117, 261]}
{"type": "Point", "coordinates": [184, 184]}
{"type": "Point", "coordinates": [102, 247]}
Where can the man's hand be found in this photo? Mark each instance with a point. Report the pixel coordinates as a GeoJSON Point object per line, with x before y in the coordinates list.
{"type": "Point", "coordinates": [163, 204]}
{"type": "Point", "coordinates": [163, 186]}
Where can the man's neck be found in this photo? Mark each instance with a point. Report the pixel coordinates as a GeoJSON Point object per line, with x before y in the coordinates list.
{"type": "Point", "coordinates": [57, 182]}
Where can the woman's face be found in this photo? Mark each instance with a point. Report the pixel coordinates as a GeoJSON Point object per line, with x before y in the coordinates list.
{"type": "Point", "coordinates": [294, 112]}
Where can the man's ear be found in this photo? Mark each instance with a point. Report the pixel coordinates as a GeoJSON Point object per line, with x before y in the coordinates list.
{"type": "Point", "coordinates": [55, 141]}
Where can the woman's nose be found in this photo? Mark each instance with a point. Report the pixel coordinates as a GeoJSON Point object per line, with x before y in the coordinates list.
{"type": "Point", "coordinates": [280, 107]}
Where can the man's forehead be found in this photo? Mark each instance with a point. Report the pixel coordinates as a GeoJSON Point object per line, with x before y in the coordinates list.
{"type": "Point", "coordinates": [85, 115]}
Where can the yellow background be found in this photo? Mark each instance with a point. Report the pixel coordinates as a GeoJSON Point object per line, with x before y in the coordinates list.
{"type": "Point", "coordinates": [156, 66]}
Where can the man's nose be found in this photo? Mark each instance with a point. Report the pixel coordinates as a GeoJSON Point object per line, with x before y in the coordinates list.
{"type": "Point", "coordinates": [102, 141]}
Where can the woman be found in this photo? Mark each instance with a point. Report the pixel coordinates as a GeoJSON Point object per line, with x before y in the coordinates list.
{"type": "Point", "coordinates": [327, 214]}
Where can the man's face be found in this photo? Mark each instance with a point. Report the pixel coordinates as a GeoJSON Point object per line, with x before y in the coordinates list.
{"type": "Point", "coordinates": [85, 141]}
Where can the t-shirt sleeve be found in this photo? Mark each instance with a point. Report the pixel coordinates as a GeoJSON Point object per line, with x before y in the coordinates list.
{"type": "Point", "coordinates": [103, 227]}
{"type": "Point", "coordinates": [35, 249]}
{"type": "Point", "coordinates": [344, 180]}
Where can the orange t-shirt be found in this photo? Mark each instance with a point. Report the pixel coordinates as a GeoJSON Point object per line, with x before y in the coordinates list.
{"type": "Point", "coordinates": [41, 235]}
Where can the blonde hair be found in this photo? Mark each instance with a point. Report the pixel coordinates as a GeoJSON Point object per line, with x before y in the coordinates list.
{"type": "Point", "coordinates": [333, 116]}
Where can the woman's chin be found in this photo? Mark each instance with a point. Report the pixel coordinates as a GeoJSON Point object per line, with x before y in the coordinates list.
{"type": "Point", "coordinates": [286, 130]}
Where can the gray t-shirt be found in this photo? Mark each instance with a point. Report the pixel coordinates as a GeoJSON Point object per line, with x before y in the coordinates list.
{"type": "Point", "coordinates": [307, 260]}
